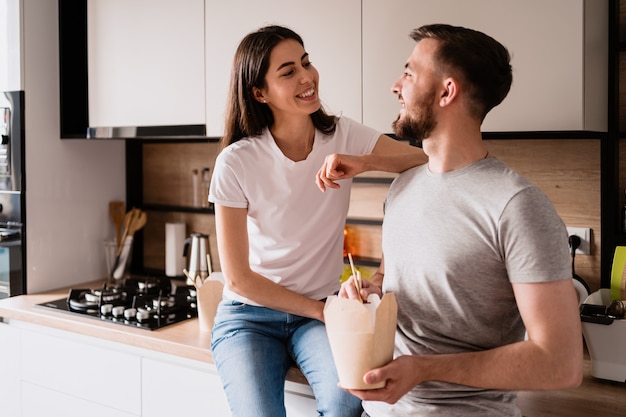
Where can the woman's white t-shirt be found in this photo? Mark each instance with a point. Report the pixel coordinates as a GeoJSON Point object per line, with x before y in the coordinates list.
{"type": "Point", "coordinates": [295, 230]}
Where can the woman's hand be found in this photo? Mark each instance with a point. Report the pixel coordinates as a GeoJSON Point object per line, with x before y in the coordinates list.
{"type": "Point", "coordinates": [348, 289]}
{"type": "Point", "coordinates": [338, 167]}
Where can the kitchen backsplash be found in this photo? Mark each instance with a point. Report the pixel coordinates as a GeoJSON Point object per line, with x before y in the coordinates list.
{"type": "Point", "coordinates": [568, 171]}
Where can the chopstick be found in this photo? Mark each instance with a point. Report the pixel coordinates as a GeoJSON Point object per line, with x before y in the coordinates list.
{"type": "Point", "coordinates": [357, 277]}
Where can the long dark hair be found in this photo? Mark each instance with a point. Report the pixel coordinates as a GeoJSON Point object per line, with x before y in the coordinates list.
{"type": "Point", "coordinates": [476, 58]}
{"type": "Point", "coordinates": [245, 116]}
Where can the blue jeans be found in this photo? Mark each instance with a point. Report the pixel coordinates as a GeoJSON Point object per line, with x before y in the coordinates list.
{"type": "Point", "coordinates": [253, 347]}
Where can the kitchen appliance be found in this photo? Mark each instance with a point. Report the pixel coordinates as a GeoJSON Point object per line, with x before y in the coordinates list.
{"type": "Point", "coordinates": [605, 336]}
{"type": "Point", "coordinates": [199, 258]}
{"type": "Point", "coordinates": [12, 195]}
{"type": "Point", "coordinates": [144, 303]}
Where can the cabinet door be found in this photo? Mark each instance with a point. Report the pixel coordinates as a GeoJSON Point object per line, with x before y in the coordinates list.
{"type": "Point", "coordinates": [299, 400]}
{"type": "Point", "coordinates": [558, 53]}
{"type": "Point", "coordinates": [10, 46]}
{"type": "Point", "coordinates": [39, 401]}
{"type": "Point", "coordinates": [331, 31]}
{"type": "Point", "coordinates": [9, 370]}
{"type": "Point", "coordinates": [170, 389]}
{"type": "Point", "coordinates": [145, 62]}
{"type": "Point", "coordinates": [80, 371]}
{"type": "Point", "coordinates": [196, 389]}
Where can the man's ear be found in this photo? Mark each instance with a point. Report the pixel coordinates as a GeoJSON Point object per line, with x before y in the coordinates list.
{"type": "Point", "coordinates": [448, 92]}
{"type": "Point", "coordinates": [258, 95]}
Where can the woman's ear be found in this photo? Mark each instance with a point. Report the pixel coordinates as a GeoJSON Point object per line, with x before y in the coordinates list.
{"type": "Point", "coordinates": [448, 92]}
{"type": "Point", "coordinates": [258, 95]}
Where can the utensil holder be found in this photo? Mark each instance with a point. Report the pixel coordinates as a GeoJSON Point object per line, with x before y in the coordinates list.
{"type": "Point", "coordinates": [118, 266]}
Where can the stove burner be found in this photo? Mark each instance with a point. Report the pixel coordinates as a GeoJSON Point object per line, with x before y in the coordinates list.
{"type": "Point", "coordinates": [144, 303]}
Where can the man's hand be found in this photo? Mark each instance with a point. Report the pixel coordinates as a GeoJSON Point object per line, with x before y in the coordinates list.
{"type": "Point", "coordinates": [400, 376]}
{"type": "Point", "coordinates": [338, 167]}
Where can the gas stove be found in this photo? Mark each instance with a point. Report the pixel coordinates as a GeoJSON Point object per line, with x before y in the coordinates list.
{"type": "Point", "coordinates": [150, 303]}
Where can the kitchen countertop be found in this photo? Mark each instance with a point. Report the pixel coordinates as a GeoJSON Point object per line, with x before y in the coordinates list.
{"type": "Point", "coordinates": [593, 397]}
{"type": "Point", "coordinates": [182, 339]}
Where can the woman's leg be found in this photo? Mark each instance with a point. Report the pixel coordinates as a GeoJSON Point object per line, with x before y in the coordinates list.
{"type": "Point", "coordinates": [311, 351]}
{"type": "Point", "coordinates": [251, 359]}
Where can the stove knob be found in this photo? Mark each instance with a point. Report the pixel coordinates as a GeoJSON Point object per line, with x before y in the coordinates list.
{"type": "Point", "coordinates": [130, 313]}
{"type": "Point", "coordinates": [143, 315]}
{"type": "Point", "coordinates": [158, 302]}
{"type": "Point", "coordinates": [106, 309]}
{"type": "Point", "coordinates": [118, 311]}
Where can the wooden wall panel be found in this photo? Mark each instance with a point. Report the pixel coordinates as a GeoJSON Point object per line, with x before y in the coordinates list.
{"type": "Point", "coordinates": [167, 170]}
{"type": "Point", "coordinates": [154, 235]}
{"type": "Point", "coordinates": [568, 171]}
{"type": "Point", "coordinates": [366, 200]}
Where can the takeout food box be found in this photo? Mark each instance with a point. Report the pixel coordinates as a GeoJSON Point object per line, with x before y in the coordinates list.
{"type": "Point", "coordinates": [605, 337]}
{"type": "Point", "coordinates": [209, 295]}
{"type": "Point", "coordinates": [361, 336]}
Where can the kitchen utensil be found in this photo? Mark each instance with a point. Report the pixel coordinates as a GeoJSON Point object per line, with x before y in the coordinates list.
{"type": "Point", "coordinates": [117, 213]}
{"type": "Point", "coordinates": [197, 247]}
{"type": "Point", "coordinates": [356, 276]}
{"type": "Point", "coordinates": [134, 220]}
{"type": "Point", "coordinates": [120, 263]}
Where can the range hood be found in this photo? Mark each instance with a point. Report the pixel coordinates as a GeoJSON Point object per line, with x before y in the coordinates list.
{"type": "Point", "coordinates": [147, 132]}
{"type": "Point", "coordinates": [74, 88]}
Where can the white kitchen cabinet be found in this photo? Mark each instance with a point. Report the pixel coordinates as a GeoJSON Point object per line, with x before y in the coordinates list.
{"type": "Point", "coordinates": [299, 400]}
{"type": "Point", "coordinates": [145, 62]}
{"type": "Point", "coordinates": [45, 371]}
{"type": "Point", "coordinates": [558, 48]}
{"type": "Point", "coordinates": [10, 46]}
{"type": "Point", "coordinates": [39, 401]}
{"type": "Point", "coordinates": [331, 31]}
{"type": "Point", "coordinates": [182, 387]}
{"type": "Point", "coordinates": [176, 389]}
{"type": "Point", "coordinates": [71, 371]}
{"type": "Point", "coordinates": [9, 370]}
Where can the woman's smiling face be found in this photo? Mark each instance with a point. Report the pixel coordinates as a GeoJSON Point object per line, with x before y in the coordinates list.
{"type": "Point", "coordinates": [291, 82]}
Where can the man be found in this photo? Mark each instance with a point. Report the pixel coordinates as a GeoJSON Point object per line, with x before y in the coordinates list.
{"type": "Point", "coordinates": [475, 254]}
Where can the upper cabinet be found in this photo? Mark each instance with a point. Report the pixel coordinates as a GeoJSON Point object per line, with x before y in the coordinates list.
{"type": "Point", "coordinates": [10, 46]}
{"type": "Point", "coordinates": [163, 62]}
{"type": "Point", "coordinates": [331, 31]}
{"type": "Point", "coordinates": [146, 62]}
{"type": "Point", "coordinates": [559, 57]}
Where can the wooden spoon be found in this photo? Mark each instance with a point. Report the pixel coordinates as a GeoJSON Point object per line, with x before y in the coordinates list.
{"type": "Point", "coordinates": [134, 220]}
{"type": "Point", "coordinates": [128, 219]}
{"type": "Point", "coordinates": [138, 221]}
{"type": "Point", "coordinates": [117, 212]}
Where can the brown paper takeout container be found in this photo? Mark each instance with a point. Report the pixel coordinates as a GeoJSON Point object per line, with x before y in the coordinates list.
{"type": "Point", "coordinates": [209, 296]}
{"type": "Point", "coordinates": [361, 336]}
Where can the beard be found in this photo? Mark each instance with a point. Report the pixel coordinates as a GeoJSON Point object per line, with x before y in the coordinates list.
{"type": "Point", "coordinates": [419, 119]}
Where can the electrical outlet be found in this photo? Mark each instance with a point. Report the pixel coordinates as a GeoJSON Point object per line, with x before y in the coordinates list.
{"type": "Point", "coordinates": [585, 239]}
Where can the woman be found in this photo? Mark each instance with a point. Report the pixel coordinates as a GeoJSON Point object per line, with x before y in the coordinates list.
{"type": "Point", "coordinates": [279, 238]}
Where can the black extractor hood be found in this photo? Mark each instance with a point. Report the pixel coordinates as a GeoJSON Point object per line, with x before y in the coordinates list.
{"type": "Point", "coordinates": [74, 87]}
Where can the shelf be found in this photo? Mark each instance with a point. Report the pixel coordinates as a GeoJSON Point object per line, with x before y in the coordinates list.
{"type": "Point", "coordinates": [373, 180]}
{"type": "Point", "coordinates": [368, 222]}
{"type": "Point", "coordinates": [181, 209]}
{"type": "Point", "coordinates": [363, 261]}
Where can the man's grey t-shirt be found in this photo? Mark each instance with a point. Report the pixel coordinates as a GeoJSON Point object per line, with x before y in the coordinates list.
{"type": "Point", "coordinates": [453, 243]}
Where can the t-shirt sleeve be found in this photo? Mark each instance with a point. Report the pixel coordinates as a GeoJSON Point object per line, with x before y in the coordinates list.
{"type": "Point", "coordinates": [361, 138]}
{"type": "Point", "coordinates": [534, 239]}
{"type": "Point", "coordinates": [226, 188]}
